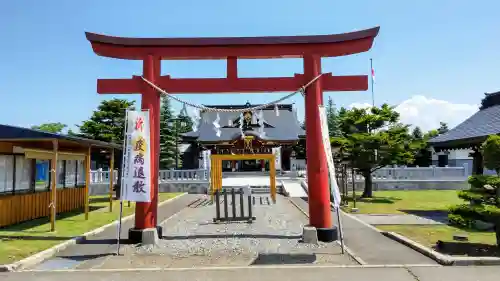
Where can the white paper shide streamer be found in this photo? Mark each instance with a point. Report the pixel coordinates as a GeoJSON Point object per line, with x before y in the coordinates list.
{"type": "Point", "coordinates": [217, 126]}
{"type": "Point", "coordinates": [241, 124]}
{"type": "Point", "coordinates": [262, 134]}
{"type": "Point", "coordinates": [196, 119]}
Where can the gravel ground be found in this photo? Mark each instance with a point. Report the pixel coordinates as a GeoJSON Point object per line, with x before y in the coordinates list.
{"type": "Point", "coordinates": [191, 239]}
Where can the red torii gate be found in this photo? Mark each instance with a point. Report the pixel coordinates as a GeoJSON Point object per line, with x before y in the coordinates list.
{"type": "Point", "coordinates": [311, 48]}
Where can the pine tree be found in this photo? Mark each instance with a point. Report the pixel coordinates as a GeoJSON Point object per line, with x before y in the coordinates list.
{"type": "Point", "coordinates": [167, 136]}
{"type": "Point", "coordinates": [332, 117]}
{"type": "Point", "coordinates": [483, 195]}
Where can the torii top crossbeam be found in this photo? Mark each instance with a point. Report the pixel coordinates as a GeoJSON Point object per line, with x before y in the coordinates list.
{"type": "Point", "coordinates": [241, 47]}
{"type": "Point", "coordinates": [232, 48]}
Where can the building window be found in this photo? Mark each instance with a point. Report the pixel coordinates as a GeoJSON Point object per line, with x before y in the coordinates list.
{"type": "Point", "coordinates": [42, 175]}
{"type": "Point", "coordinates": [24, 168]}
{"type": "Point", "coordinates": [6, 173]}
{"type": "Point", "coordinates": [80, 179]}
{"type": "Point", "coordinates": [70, 173]}
{"type": "Point", "coordinates": [61, 173]}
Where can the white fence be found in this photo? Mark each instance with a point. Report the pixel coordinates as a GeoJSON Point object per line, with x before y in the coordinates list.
{"type": "Point", "coordinates": [199, 175]}
{"type": "Point", "coordinates": [410, 173]}
{"type": "Point", "coordinates": [383, 174]}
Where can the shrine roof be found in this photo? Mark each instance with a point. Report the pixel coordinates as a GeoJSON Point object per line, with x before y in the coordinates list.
{"type": "Point", "coordinates": [476, 128]}
{"type": "Point", "coordinates": [282, 127]}
{"type": "Point", "coordinates": [228, 41]}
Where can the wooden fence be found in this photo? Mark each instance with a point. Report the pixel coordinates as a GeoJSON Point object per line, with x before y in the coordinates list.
{"type": "Point", "coordinates": [23, 207]}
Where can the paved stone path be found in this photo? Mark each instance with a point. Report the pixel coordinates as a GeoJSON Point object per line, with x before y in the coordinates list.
{"type": "Point", "coordinates": [370, 245]}
{"type": "Point", "coordinates": [388, 219]}
{"type": "Point", "coordinates": [191, 239]}
{"type": "Point", "coordinates": [97, 248]}
{"type": "Point", "coordinates": [282, 273]}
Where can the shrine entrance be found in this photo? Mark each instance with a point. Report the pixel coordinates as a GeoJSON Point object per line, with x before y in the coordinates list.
{"type": "Point", "coordinates": [216, 170]}
{"type": "Point", "coordinates": [311, 84]}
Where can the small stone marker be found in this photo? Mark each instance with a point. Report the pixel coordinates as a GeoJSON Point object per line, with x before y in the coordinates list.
{"type": "Point", "coordinates": [460, 237]}
{"type": "Point", "coordinates": [354, 210]}
{"type": "Point", "coordinates": [309, 235]}
{"type": "Point", "coordinates": [150, 237]}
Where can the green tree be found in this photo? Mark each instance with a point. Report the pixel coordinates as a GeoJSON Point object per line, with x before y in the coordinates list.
{"type": "Point", "coordinates": [491, 153]}
{"type": "Point", "coordinates": [167, 136]}
{"type": "Point", "coordinates": [332, 117]}
{"type": "Point", "coordinates": [443, 128]}
{"type": "Point", "coordinates": [484, 193]}
{"type": "Point", "coordinates": [107, 123]}
{"type": "Point", "coordinates": [417, 133]}
{"type": "Point", "coordinates": [55, 128]}
{"type": "Point", "coordinates": [371, 139]}
{"type": "Point", "coordinates": [423, 154]}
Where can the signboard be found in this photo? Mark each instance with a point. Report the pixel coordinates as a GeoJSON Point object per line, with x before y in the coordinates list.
{"type": "Point", "coordinates": [136, 178]}
{"type": "Point", "coordinates": [277, 158]}
{"type": "Point", "coordinates": [334, 187]}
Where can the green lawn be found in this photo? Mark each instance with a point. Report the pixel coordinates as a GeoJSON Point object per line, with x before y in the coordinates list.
{"type": "Point", "coordinates": [422, 202]}
{"type": "Point", "coordinates": [24, 239]}
{"type": "Point", "coordinates": [481, 243]}
{"type": "Point", "coordinates": [394, 202]}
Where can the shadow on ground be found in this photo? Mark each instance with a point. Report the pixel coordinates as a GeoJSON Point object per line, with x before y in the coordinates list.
{"type": "Point", "coordinates": [272, 259]}
{"type": "Point", "coordinates": [467, 249]}
{"type": "Point", "coordinates": [435, 215]}
{"type": "Point", "coordinates": [218, 236]}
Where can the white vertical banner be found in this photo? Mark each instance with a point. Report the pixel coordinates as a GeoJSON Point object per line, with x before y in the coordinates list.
{"type": "Point", "coordinates": [329, 156]}
{"type": "Point", "coordinates": [277, 157]}
{"type": "Point", "coordinates": [136, 182]}
{"type": "Point", "coordinates": [334, 187]}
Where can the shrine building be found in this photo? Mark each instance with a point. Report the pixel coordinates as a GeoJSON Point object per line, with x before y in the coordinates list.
{"type": "Point", "coordinates": [248, 133]}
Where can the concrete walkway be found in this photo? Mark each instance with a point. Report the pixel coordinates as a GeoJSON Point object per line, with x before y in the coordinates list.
{"type": "Point", "coordinates": [370, 245]}
{"type": "Point", "coordinates": [192, 239]}
{"type": "Point", "coordinates": [293, 188]}
{"type": "Point", "coordinates": [96, 249]}
{"type": "Point", "coordinates": [281, 273]}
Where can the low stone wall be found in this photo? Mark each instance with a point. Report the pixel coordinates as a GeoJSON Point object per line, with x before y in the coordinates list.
{"type": "Point", "coordinates": [98, 189]}
{"type": "Point", "coordinates": [416, 185]}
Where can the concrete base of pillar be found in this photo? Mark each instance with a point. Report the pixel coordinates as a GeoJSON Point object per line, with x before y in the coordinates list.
{"type": "Point", "coordinates": [145, 236]}
{"type": "Point", "coordinates": [327, 234]}
{"type": "Point", "coordinates": [309, 235]}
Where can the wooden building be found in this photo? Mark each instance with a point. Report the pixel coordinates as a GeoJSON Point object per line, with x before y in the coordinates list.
{"type": "Point", "coordinates": [245, 134]}
{"type": "Point", "coordinates": [42, 174]}
{"type": "Point", "coordinates": [471, 134]}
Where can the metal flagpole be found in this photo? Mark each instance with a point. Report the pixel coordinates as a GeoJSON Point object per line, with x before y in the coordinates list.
{"type": "Point", "coordinates": [122, 190]}
{"type": "Point", "coordinates": [371, 72]}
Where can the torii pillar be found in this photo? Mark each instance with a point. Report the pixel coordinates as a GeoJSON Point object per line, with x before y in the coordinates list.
{"type": "Point", "coordinates": [146, 213]}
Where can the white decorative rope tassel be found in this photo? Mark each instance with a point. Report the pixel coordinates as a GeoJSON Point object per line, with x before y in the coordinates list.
{"type": "Point", "coordinates": [276, 109]}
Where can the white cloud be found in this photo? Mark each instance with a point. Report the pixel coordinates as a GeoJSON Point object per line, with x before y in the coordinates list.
{"type": "Point", "coordinates": [427, 113]}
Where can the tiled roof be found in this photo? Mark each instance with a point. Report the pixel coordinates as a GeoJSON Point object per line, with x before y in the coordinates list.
{"type": "Point", "coordinates": [283, 127]}
{"type": "Point", "coordinates": [8, 132]}
{"type": "Point", "coordinates": [480, 125]}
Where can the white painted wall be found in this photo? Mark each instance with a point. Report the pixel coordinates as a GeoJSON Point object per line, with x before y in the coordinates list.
{"type": "Point", "coordinates": [461, 154]}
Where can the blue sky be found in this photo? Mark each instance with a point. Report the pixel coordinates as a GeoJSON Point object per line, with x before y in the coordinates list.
{"type": "Point", "coordinates": [446, 50]}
